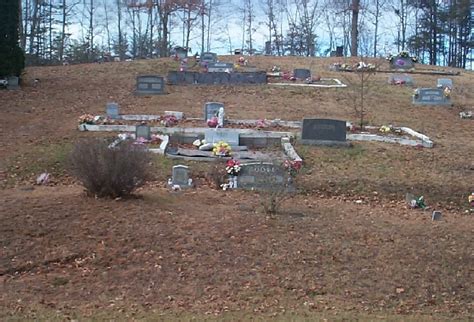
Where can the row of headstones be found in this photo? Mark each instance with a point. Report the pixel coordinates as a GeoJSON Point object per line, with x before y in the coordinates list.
{"type": "Point", "coordinates": [252, 176]}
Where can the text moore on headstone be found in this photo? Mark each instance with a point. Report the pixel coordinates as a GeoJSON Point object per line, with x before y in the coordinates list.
{"type": "Point", "coordinates": [301, 73]}
{"type": "Point", "coordinates": [262, 176]}
{"type": "Point", "coordinates": [323, 132]}
{"type": "Point", "coordinates": [445, 82]}
{"type": "Point", "coordinates": [112, 110]}
{"type": "Point", "coordinates": [402, 63]}
{"type": "Point", "coordinates": [150, 85]}
{"type": "Point", "coordinates": [142, 131]}
{"type": "Point", "coordinates": [211, 109]}
{"type": "Point", "coordinates": [219, 67]}
{"type": "Point", "coordinates": [180, 176]}
{"type": "Point", "coordinates": [229, 136]}
{"type": "Point", "coordinates": [398, 79]}
{"type": "Point", "coordinates": [431, 96]}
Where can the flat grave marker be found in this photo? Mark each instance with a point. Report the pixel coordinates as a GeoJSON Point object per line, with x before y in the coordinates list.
{"type": "Point", "coordinates": [445, 82]}
{"type": "Point", "coordinates": [301, 73]}
{"type": "Point", "coordinates": [430, 96]}
{"type": "Point", "coordinates": [226, 135]}
{"type": "Point", "coordinates": [323, 132]}
{"type": "Point", "coordinates": [150, 85]}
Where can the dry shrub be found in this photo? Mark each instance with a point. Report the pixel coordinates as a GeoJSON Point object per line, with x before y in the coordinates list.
{"type": "Point", "coordinates": [109, 172]}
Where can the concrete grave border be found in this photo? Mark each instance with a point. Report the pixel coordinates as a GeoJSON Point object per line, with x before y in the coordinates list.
{"type": "Point", "coordinates": [338, 84]}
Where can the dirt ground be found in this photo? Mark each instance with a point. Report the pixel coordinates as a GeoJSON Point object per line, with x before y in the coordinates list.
{"type": "Point", "coordinates": [345, 245]}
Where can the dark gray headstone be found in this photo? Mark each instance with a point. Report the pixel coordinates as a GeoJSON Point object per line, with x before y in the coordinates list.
{"type": "Point", "coordinates": [219, 67]}
{"type": "Point", "coordinates": [398, 79]}
{"type": "Point", "coordinates": [229, 136]}
{"type": "Point", "coordinates": [268, 48]}
{"type": "Point", "coordinates": [180, 176]}
{"type": "Point", "coordinates": [339, 51]}
{"type": "Point", "coordinates": [301, 73]}
{"type": "Point", "coordinates": [436, 215]}
{"type": "Point", "coordinates": [142, 131]}
{"type": "Point", "coordinates": [150, 85]}
{"type": "Point", "coordinates": [402, 63]}
{"type": "Point", "coordinates": [208, 57]}
{"type": "Point", "coordinates": [262, 176]}
{"type": "Point", "coordinates": [181, 52]}
{"type": "Point", "coordinates": [323, 132]}
{"type": "Point", "coordinates": [445, 82]}
{"type": "Point", "coordinates": [211, 109]}
{"type": "Point", "coordinates": [431, 96]}
{"type": "Point", "coordinates": [13, 82]}
{"type": "Point", "coordinates": [112, 110]}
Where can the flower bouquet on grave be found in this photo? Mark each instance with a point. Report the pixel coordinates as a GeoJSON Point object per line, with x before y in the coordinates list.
{"type": "Point", "coordinates": [169, 120]}
{"type": "Point", "coordinates": [416, 94]}
{"type": "Point", "coordinates": [213, 121]}
{"type": "Point", "coordinates": [292, 167]}
{"type": "Point", "coordinates": [221, 149]}
{"type": "Point", "coordinates": [447, 92]}
{"type": "Point", "coordinates": [86, 119]}
{"type": "Point", "coordinates": [232, 167]}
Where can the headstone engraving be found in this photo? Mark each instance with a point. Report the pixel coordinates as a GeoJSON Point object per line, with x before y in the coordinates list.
{"type": "Point", "coordinates": [431, 96]}
{"type": "Point", "coordinates": [323, 132]}
{"type": "Point", "coordinates": [402, 63]}
{"type": "Point", "coordinates": [142, 131]}
{"type": "Point", "coordinates": [112, 111]}
{"type": "Point", "coordinates": [180, 176]}
{"type": "Point", "coordinates": [398, 79]}
{"type": "Point", "coordinates": [262, 176]}
{"type": "Point", "coordinates": [301, 73]}
{"type": "Point", "coordinates": [211, 109]}
{"type": "Point", "coordinates": [218, 67]}
{"type": "Point", "coordinates": [226, 135]}
{"type": "Point", "coordinates": [445, 82]}
{"type": "Point", "coordinates": [150, 85]}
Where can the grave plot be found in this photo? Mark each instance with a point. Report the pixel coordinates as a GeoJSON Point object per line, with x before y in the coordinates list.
{"type": "Point", "coordinates": [432, 96]}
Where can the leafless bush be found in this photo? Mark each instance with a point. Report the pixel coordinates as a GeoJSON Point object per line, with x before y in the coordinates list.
{"type": "Point", "coordinates": [107, 172]}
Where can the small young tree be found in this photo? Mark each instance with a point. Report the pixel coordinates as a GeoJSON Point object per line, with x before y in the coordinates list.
{"type": "Point", "coordinates": [12, 58]}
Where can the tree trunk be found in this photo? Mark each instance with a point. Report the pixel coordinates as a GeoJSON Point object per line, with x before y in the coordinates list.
{"type": "Point", "coordinates": [354, 28]}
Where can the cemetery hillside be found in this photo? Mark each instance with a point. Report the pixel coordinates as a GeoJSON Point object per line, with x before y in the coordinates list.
{"type": "Point", "coordinates": [348, 196]}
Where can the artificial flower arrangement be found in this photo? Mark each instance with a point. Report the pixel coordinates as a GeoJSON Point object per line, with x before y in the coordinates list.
{"type": "Point", "coordinates": [232, 167]}
{"type": "Point", "coordinates": [416, 93]}
{"type": "Point", "coordinates": [447, 92]}
{"type": "Point", "coordinates": [222, 149]}
{"type": "Point", "coordinates": [292, 167]}
{"type": "Point", "coordinates": [402, 54]}
{"type": "Point", "coordinates": [276, 69]}
{"type": "Point", "coordinates": [86, 119]}
{"type": "Point", "coordinates": [169, 120]}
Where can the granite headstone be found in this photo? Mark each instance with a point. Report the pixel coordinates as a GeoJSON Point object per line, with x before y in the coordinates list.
{"type": "Point", "coordinates": [323, 132]}
{"type": "Point", "coordinates": [150, 85]}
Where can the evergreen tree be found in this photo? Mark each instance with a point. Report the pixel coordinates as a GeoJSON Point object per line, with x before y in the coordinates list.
{"type": "Point", "coordinates": [12, 59]}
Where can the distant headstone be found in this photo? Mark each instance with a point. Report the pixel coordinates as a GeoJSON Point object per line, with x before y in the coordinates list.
{"type": "Point", "coordinates": [237, 51]}
{"type": "Point", "coordinates": [430, 96]}
{"type": "Point", "coordinates": [402, 63]}
{"type": "Point", "coordinates": [323, 132]}
{"type": "Point", "coordinates": [208, 58]}
{"type": "Point", "coordinates": [142, 131]}
{"type": "Point", "coordinates": [268, 48]}
{"type": "Point", "coordinates": [262, 176]}
{"type": "Point", "coordinates": [398, 79]}
{"type": "Point", "coordinates": [150, 85]}
{"type": "Point", "coordinates": [301, 73]}
{"type": "Point", "coordinates": [218, 67]}
{"type": "Point", "coordinates": [181, 52]}
{"type": "Point", "coordinates": [112, 110]}
{"type": "Point", "coordinates": [180, 176]}
{"type": "Point", "coordinates": [339, 51]}
{"type": "Point", "coordinates": [13, 82]}
{"type": "Point", "coordinates": [436, 215]}
{"type": "Point", "coordinates": [211, 109]}
{"type": "Point", "coordinates": [445, 82]}
{"type": "Point", "coordinates": [229, 136]}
